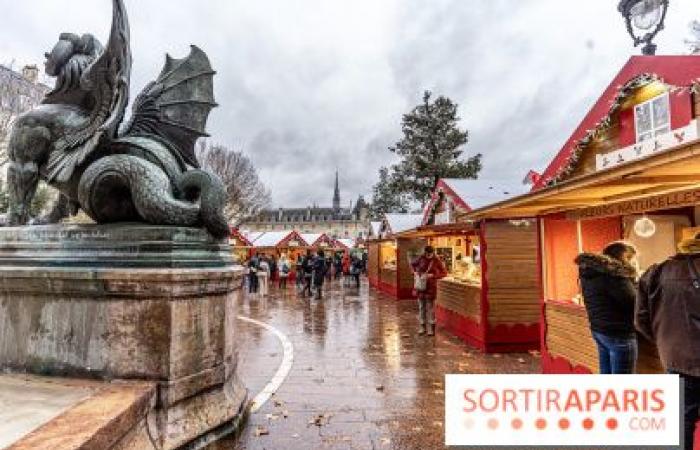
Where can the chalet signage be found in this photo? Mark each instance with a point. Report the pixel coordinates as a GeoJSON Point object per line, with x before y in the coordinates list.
{"type": "Point", "coordinates": [632, 207]}
{"type": "Point", "coordinates": [646, 148]}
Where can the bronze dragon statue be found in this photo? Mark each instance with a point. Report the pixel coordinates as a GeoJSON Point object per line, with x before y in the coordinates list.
{"type": "Point", "coordinates": [143, 170]}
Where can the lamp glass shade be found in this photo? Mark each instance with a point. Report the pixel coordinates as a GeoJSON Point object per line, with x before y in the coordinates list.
{"type": "Point", "coordinates": [646, 14]}
{"type": "Point", "coordinates": [644, 227]}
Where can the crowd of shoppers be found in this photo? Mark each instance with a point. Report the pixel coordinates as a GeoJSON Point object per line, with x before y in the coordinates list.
{"type": "Point", "coordinates": [309, 271]}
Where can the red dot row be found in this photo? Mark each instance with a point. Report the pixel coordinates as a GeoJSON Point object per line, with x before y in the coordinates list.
{"type": "Point", "coordinates": [541, 424]}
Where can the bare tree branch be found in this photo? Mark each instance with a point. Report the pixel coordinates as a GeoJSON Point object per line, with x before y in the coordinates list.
{"type": "Point", "coordinates": [247, 195]}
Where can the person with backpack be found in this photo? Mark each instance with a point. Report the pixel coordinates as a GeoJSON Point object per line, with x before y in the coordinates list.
{"type": "Point", "coordinates": [284, 269]}
{"type": "Point", "coordinates": [427, 270]}
{"type": "Point", "coordinates": [668, 314]}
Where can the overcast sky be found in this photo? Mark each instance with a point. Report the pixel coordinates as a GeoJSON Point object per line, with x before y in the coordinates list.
{"type": "Point", "coordinates": [308, 86]}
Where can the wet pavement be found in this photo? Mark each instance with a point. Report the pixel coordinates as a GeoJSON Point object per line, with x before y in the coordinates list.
{"type": "Point", "coordinates": [361, 377]}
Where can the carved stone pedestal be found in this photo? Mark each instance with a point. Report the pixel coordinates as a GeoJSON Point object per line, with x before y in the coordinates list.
{"type": "Point", "coordinates": [127, 302]}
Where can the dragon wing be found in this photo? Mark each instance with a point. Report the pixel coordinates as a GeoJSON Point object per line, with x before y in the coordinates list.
{"type": "Point", "coordinates": [176, 106]}
{"type": "Point", "coordinates": [107, 80]}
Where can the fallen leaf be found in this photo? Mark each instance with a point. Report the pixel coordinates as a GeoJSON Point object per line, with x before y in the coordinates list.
{"type": "Point", "coordinates": [318, 420]}
{"type": "Point", "coordinates": [261, 431]}
{"type": "Point", "coordinates": [437, 423]}
{"type": "Point", "coordinates": [272, 416]}
{"type": "Point", "coordinates": [385, 441]}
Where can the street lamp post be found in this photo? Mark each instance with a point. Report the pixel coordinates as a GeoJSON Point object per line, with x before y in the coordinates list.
{"type": "Point", "coordinates": [644, 19]}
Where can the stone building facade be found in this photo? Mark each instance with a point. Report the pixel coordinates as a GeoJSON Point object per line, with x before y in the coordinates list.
{"type": "Point", "coordinates": [335, 221]}
{"type": "Point", "coordinates": [19, 92]}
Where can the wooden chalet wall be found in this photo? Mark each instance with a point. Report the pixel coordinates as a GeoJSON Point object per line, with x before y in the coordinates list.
{"type": "Point", "coordinates": [570, 344]}
{"type": "Point", "coordinates": [511, 273]}
{"type": "Point", "coordinates": [373, 262]}
{"type": "Point", "coordinates": [461, 298]}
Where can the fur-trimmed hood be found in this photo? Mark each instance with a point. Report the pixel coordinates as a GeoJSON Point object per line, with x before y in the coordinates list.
{"type": "Point", "coordinates": [592, 263]}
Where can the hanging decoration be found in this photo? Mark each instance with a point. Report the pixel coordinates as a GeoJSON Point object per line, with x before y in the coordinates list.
{"type": "Point", "coordinates": [602, 126]}
{"type": "Point", "coordinates": [644, 227]}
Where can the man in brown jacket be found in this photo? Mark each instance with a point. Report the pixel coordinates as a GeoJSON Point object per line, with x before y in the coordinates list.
{"type": "Point", "coordinates": [668, 314]}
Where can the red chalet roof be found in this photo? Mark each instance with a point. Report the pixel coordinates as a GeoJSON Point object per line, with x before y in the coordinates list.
{"type": "Point", "coordinates": [672, 70]}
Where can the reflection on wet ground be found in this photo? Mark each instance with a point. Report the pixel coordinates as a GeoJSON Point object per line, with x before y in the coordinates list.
{"type": "Point", "coordinates": [361, 378]}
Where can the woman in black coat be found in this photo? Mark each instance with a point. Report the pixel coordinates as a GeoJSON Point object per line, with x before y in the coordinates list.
{"type": "Point", "coordinates": [320, 269]}
{"type": "Point", "coordinates": [609, 292]}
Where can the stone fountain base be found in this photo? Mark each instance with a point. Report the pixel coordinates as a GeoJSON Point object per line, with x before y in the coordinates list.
{"type": "Point", "coordinates": [129, 302]}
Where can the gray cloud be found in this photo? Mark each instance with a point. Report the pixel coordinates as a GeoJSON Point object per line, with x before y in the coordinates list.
{"type": "Point", "coordinates": [308, 86]}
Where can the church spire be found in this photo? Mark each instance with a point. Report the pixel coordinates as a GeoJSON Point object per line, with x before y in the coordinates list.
{"type": "Point", "coordinates": [336, 194]}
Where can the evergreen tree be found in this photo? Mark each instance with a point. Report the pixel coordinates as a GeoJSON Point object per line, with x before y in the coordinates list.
{"type": "Point", "coordinates": [431, 148]}
{"type": "Point", "coordinates": [386, 197]}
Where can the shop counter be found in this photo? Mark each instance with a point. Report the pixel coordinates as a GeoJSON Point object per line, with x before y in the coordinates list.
{"type": "Point", "coordinates": [460, 297]}
{"type": "Point", "coordinates": [458, 310]}
{"type": "Point", "coordinates": [569, 346]}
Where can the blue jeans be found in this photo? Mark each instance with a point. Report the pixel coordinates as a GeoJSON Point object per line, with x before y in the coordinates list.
{"type": "Point", "coordinates": [616, 355]}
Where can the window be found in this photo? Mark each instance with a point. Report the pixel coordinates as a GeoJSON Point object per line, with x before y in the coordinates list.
{"type": "Point", "coordinates": [652, 118]}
